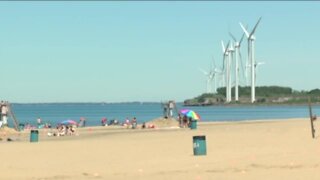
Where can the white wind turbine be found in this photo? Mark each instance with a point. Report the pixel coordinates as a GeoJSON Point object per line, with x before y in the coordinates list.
{"type": "Point", "coordinates": [256, 69]}
{"type": "Point", "coordinates": [216, 72]}
{"type": "Point", "coordinates": [238, 54]}
{"type": "Point", "coordinates": [226, 68]}
{"type": "Point", "coordinates": [210, 76]}
{"type": "Point", "coordinates": [251, 38]}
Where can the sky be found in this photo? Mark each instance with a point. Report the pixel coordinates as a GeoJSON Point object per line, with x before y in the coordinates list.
{"type": "Point", "coordinates": [109, 51]}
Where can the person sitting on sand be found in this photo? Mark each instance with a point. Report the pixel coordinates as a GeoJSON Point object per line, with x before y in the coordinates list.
{"type": "Point", "coordinates": [143, 125]}
{"type": "Point", "coordinates": [72, 130]}
{"type": "Point", "coordinates": [127, 122]}
{"type": "Point", "coordinates": [104, 121]}
{"type": "Point", "coordinates": [68, 132]}
{"type": "Point", "coordinates": [61, 130]}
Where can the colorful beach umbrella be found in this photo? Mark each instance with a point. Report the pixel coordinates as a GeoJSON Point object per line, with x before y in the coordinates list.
{"type": "Point", "coordinates": [68, 122]}
{"type": "Point", "coordinates": [190, 113]}
{"type": "Point", "coordinates": [184, 111]}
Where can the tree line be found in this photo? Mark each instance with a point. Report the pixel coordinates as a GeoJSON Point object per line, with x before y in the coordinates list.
{"type": "Point", "coordinates": [263, 94]}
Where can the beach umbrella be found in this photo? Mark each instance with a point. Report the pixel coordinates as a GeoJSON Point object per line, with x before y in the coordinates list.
{"type": "Point", "coordinates": [68, 122]}
{"type": "Point", "coordinates": [190, 113]}
{"type": "Point", "coordinates": [184, 111]}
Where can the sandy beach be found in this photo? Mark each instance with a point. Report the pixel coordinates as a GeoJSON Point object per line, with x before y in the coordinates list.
{"type": "Point", "coordinates": [277, 149]}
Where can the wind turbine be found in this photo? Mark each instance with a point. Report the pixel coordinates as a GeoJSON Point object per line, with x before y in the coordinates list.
{"type": "Point", "coordinates": [216, 72]}
{"type": "Point", "coordinates": [238, 54]}
{"type": "Point", "coordinates": [226, 68]}
{"type": "Point", "coordinates": [209, 78]}
{"type": "Point", "coordinates": [256, 69]}
{"type": "Point", "coordinates": [251, 38]}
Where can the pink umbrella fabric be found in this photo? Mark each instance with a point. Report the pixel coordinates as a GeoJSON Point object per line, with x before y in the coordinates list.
{"type": "Point", "coordinates": [68, 122]}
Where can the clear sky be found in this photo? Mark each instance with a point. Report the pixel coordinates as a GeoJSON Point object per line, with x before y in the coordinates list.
{"type": "Point", "coordinates": [147, 51]}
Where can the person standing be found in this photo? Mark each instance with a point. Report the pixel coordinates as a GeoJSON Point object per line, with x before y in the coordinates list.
{"type": "Point", "coordinates": [180, 120]}
{"type": "Point", "coordinates": [165, 110]}
{"type": "Point", "coordinates": [39, 121]}
{"type": "Point", "coordinates": [134, 123]}
{"type": "Point", "coordinates": [4, 114]}
{"type": "Point", "coordinates": [185, 121]}
{"type": "Point", "coordinates": [171, 106]}
{"type": "Point", "coordinates": [1, 105]}
{"type": "Point", "coordinates": [82, 122]}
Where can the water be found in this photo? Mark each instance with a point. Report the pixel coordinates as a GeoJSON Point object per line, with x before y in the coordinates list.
{"type": "Point", "coordinates": [93, 112]}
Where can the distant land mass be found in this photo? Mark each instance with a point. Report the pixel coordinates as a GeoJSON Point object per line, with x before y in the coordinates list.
{"type": "Point", "coordinates": [268, 95]}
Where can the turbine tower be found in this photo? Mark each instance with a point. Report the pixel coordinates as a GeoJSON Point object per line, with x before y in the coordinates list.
{"type": "Point", "coordinates": [231, 55]}
{"type": "Point", "coordinates": [238, 54]}
{"type": "Point", "coordinates": [251, 38]}
{"type": "Point", "coordinates": [256, 69]}
{"type": "Point", "coordinates": [226, 68]}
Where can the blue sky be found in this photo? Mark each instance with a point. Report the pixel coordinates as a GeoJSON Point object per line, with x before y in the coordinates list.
{"type": "Point", "coordinates": [147, 51]}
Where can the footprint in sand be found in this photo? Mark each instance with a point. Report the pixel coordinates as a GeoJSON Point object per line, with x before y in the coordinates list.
{"type": "Point", "coordinates": [95, 175]}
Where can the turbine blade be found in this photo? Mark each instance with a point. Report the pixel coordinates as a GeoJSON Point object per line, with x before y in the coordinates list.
{"type": "Point", "coordinates": [226, 49]}
{"type": "Point", "coordinates": [214, 63]}
{"type": "Point", "coordinates": [211, 68]}
{"type": "Point", "coordinates": [232, 36]}
{"type": "Point", "coordinates": [241, 39]}
{"type": "Point", "coordinates": [223, 48]}
{"type": "Point", "coordinates": [223, 62]}
{"type": "Point", "coordinates": [241, 63]}
{"type": "Point", "coordinates": [203, 71]}
{"type": "Point", "coordinates": [242, 36]}
{"type": "Point", "coordinates": [244, 30]}
{"type": "Point", "coordinates": [255, 27]}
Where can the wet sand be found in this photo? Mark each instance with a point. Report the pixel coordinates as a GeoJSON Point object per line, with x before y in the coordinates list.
{"type": "Point", "coordinates": [277, 149]}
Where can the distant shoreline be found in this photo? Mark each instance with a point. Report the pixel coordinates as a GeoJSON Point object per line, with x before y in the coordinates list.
{"type": "Point", "coordinates": [185, 105]}
{"type": "Point", "coordinates": [253, 104]}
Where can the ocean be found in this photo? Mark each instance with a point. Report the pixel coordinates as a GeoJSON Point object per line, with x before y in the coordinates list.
{"type": "Point", "coordinates": [93, 112]}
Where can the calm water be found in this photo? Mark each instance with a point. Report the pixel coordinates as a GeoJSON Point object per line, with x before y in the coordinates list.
{"type": "Point", "coordinates": [93, 113]}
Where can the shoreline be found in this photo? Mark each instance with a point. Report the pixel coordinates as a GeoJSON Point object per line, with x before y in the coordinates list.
{"type": "Point", "coordinates": [23, 136]}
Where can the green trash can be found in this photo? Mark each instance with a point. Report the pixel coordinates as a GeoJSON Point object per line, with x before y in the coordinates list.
{"type": "Point", "coordinates": [193, 124]}
{"type": "Point", "coordinates": [199, 145]}
{"type": "Point", "coordinates": [34, 135]}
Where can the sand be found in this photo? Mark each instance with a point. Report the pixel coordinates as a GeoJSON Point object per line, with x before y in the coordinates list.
{"type": "Point", "coordinates": [279, 149]}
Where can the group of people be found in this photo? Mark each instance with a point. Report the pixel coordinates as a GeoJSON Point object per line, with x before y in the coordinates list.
{"type": "Point", "coordinates": [184, 121]}
{"type": "Point", "coordinates": [133, 123]}
{"type": "Point", "coordinates": [168, 109]}
{"type": "Point", "coordinates": [63, 130]}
